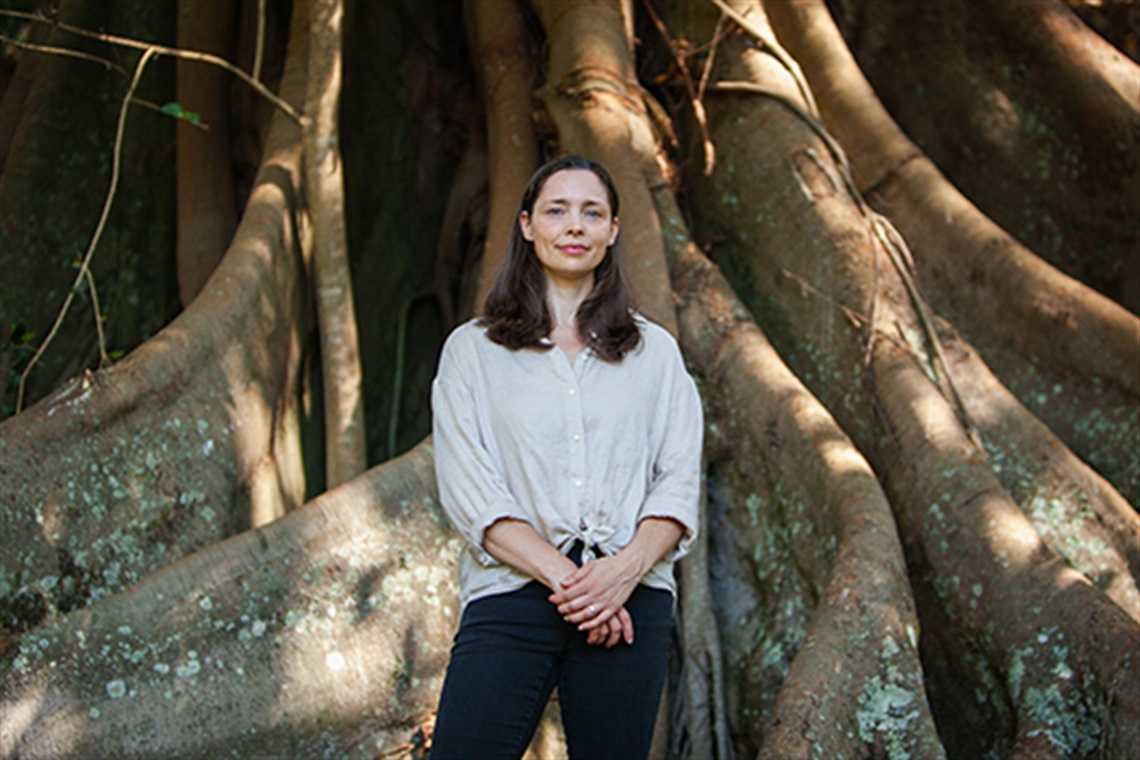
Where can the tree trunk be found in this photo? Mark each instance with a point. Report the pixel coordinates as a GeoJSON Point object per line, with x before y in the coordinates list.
{"type": "Point", "coordinates": [207, 209]}
{"type": "Point", "coordinates": [345, 456]}
{"type": "Point", "coordinates": [814, 526]}
{"type": "Point", "coordinates": [1006, 300]}
{"type": "Point", "coordinates": [1029, 112]}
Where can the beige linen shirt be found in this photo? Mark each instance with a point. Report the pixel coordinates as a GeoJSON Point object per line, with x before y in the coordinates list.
{"type": "Point", "coordinates": [580, 451]}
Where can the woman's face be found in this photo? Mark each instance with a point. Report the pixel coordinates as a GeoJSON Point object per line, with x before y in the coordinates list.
{"type": "Point", "coordinates": [571, 225]}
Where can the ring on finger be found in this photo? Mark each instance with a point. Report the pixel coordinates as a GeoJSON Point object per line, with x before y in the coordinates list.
{"type": "Point", "coordinates": [592, 610]}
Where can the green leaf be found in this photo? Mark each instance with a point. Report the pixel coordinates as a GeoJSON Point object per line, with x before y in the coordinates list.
{"type": "Point", "coordinates": [177, 111]}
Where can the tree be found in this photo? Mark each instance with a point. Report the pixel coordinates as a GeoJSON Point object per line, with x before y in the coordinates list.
{"type": "Point", "coordinates": [923, 446]}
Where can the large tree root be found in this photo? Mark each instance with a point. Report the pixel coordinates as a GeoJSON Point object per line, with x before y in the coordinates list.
{"type": "Point", "coordinates": [195, 434]}
{"type": "Point", "coordinates": [852, 684]}
{"type": "Point", "coordinates": [1058, 651]}
{"type": "Point", "coordinates": [998, 293]}
{"type": "Point", "coordinates": [323, 632]}
{"type": "Point", "coordinates": [1076, 511]}
{"type": "Point", "coordinates": [1029, 112]}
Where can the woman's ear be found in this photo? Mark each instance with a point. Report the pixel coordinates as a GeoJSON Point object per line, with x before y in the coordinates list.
{"type": "Point", "coordinates": [524, 225]}
{"type": "Point", "coordinates": [615, 230]}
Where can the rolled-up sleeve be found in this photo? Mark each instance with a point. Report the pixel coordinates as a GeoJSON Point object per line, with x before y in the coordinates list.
{"type": "Point", "coordinates": [472, 491]}
{"type": "Point", "coordinates": [675, 486]}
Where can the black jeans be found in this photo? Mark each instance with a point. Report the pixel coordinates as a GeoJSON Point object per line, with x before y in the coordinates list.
{"type": "Point", "coordinates": [511, 650]}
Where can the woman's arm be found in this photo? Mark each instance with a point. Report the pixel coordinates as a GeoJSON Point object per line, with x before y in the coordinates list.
{"type": "Point", "coordinates": [593, 594]}
{"type": "Point", "coordinates": [518, 544]}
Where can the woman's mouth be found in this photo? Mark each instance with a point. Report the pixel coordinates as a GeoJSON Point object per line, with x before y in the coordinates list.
{"type": "Point", "coordinates": [573, 249]}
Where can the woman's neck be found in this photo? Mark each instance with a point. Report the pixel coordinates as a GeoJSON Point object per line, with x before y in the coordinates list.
{"type": "Point", "coordinates": [563, 299]}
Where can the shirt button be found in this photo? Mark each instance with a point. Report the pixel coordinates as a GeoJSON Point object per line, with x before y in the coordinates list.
{"type": "Point", "coordinates": [577, 482]}
{"type": "Point", "coordinates": [573, 391]}
{"type": "Point", "coordinates": [577, 437]}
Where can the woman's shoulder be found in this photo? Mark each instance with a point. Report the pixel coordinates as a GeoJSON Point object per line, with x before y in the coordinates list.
{"type": "Point", "coordinates": [471, 330]}
{"type": "Point", "coordinates": [654, 337]}
{"type": "Point", "coordinates": [464, 342]}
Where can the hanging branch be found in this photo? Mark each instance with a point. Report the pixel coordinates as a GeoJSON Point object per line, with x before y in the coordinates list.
{"type": "Point", "coordinates": [695, 98]}
{"type": "Point", "coordinates": [66, 52]}
{"type": "Point", "coordinates": [116, 156]}
{"type": "Point", "coordinates": [159, 50]}
{"type": "Point", "coordinates": [259, 50]}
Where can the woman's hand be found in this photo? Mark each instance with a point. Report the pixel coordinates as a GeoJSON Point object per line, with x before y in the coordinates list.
{"type": "Point", "coordinates": [594, 593]}
{"type": "Point", "coordinates": [619, 627]}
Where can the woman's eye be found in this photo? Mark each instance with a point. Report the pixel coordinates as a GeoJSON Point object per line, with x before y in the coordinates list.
{"type": "Point", "coordinates": [554, 211]}
{"type": "Point", "coordinates": [594, 214]}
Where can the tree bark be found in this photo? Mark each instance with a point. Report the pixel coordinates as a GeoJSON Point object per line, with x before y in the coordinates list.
{"type": "Point", "coordinates": [996, 582]}
{"type": "Point", "coordinates": [821, 501]}
{"type": "Point", "coordinates": [1029, 112]}
{"type": "Point", "coordinates": [1005, 299]}
{"type": "Point", "coordinates": [323, 634]}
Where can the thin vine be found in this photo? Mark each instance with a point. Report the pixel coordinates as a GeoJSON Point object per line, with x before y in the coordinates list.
{"type": "Point", "coordinates": [160, 50]}
{"type": "Point", "coordinates": [84, 266]}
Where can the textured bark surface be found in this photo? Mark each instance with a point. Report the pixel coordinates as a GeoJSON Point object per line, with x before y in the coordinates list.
{"type": "Point", "coordinates": [1022, 315]}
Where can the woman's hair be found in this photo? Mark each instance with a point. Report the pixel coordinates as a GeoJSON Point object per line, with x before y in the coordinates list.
{"type": "Point", "coordinates": [515, 312]}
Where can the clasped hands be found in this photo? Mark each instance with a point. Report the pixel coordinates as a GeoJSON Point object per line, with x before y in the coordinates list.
{"type": "Point", "coordinates": [593, 597]}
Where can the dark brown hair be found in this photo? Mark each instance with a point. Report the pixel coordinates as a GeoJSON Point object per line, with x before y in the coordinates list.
{"type": "Point", "coordinates": [515, 312]}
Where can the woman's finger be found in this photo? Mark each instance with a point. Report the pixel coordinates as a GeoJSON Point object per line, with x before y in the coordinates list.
{"type": "Point", "coordinates": [592, 617]}
{"type": "Point", "coordinates": [615, 634]}
{"type": "Point", "coordinates": [579, 611]}
{"type": "Point", "coordinates": [596, 636]}
{"type": "Point", "coordinates": [625, 624]}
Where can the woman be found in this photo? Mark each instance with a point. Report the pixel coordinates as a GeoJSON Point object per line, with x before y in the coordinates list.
{"type": "Point", "coordinates": [567, 440]}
